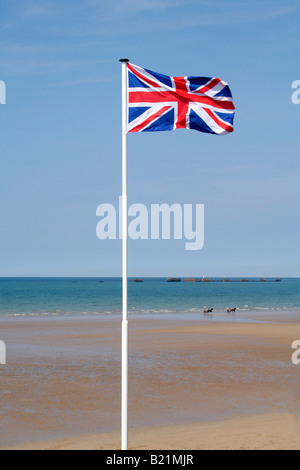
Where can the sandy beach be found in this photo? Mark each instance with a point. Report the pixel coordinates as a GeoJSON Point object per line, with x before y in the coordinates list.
{"type": "Point", "coordinates": [193, 385]}
{"type": "Point", "coordinates": [273, 431]}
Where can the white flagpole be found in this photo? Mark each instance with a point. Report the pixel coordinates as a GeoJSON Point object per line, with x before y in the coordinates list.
{"type": "Point", "coordinates": [124, 405]}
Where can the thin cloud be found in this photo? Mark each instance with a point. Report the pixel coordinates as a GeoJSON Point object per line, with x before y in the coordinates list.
{"type": "Point", "coordinates": [41, 9]}
{"type": "Point", "coordinates": [26, 60]}
{"type": "Point", "coordinates": [247, 13]}
{"type": "Point", "coordinates": [144, 5]}
{"type": "Point", "coordinates": [120, 17]}
{"type": "Point", "coordinates": [216, 13]}
{"type": "Point", "coordinates": [98, 19]}
{"type": "Point", "coordinates": [86, 81]}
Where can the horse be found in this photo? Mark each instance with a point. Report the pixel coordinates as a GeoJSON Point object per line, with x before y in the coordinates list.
{"type": "Point", "coordinates": [209, 310]}
{"type": "Point", "coordinates": [231, 310]}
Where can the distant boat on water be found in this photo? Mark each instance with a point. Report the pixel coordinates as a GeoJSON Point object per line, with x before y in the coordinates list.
{"type": "Point", "coordinates": [174, 279]}
{"type": "Point", "coordinates": [138, 280]}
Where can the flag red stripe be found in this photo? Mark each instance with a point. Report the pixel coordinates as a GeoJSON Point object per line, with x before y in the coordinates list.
{"type": "Point", "coordinates": [211, 85]}
{"type": "Point", "coordinates": [183, 104]}
{"type": "Point", "coordinates": [220, 123]}
{"type": "Point", "coordinates": [165, 96]}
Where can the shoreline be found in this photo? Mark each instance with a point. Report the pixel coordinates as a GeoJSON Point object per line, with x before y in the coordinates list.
{"type": "Point", "coordinates": [258, 315]}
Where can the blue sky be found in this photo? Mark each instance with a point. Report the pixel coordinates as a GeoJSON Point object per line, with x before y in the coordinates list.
{"type": "Point", "coordinates": [61, 136]}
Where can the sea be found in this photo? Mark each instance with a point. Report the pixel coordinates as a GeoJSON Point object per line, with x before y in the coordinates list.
{"type": "Point", "coordinates": [61, 297]}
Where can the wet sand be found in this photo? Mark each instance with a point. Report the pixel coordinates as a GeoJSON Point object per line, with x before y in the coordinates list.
{"type": "Point", "coordinates": [193, 385]}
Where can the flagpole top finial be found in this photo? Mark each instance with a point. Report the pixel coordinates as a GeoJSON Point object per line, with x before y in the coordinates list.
{"type": "Point", "coordinates": [124, 60]}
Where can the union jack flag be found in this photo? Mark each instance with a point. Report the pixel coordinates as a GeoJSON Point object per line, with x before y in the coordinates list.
{"type": "Point", "coordinates": [157, 102]}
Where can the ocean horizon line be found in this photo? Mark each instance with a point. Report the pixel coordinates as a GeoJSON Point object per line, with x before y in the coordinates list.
{"type": "Point", "coordinates": [151, 277]}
